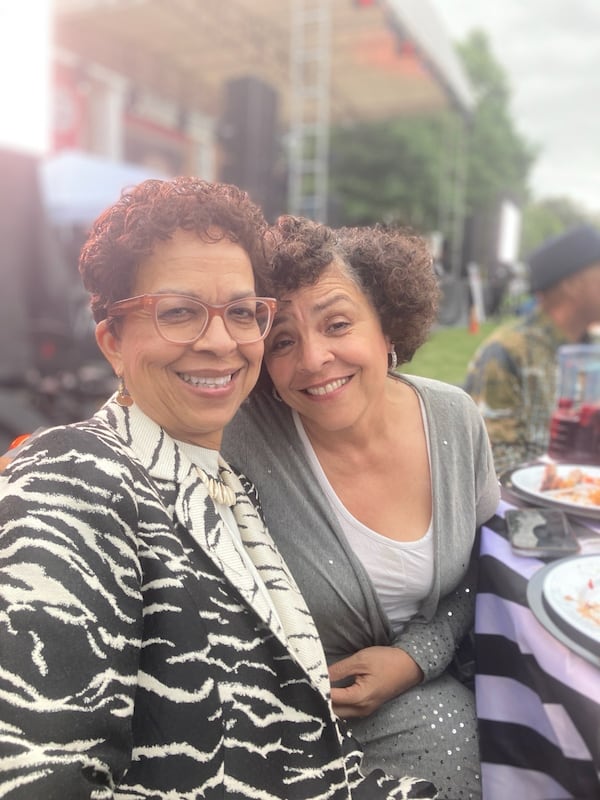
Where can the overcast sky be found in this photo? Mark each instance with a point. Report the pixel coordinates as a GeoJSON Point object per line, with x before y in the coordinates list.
{"type": "Point", "coordinates": [550, 50]}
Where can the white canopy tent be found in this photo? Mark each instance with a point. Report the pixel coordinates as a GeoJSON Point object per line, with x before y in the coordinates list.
{"type": "Point", "coordinates": [76, 186]}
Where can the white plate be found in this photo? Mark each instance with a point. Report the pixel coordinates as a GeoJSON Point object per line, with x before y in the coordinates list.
{"type": "Point", "coordinates": [572, 591]}
{"type": "Point", "coordinates": [581, 645]}
{"type": "Point", "coordinates": [527, 481]}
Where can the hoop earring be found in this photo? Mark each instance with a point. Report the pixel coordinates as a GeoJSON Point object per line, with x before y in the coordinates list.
{"type": "Point", "coordinates": [123, 398]}
{"type": "Point", "coordinates": [393, 360]}
{"type": "Point", "coordinates": [275, 395]}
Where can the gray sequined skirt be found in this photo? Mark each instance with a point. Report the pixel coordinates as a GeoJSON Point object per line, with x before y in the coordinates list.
{"type": "Point", "coordinates": [430, 732]}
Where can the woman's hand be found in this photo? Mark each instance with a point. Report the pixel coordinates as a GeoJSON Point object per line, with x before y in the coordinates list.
{"type": "Point", "coordinates": [378, 673]}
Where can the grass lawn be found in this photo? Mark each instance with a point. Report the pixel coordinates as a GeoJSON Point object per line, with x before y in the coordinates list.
{"type": "Point", "coordinates": [446, 354]}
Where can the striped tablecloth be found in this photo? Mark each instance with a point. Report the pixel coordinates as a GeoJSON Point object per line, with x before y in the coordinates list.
{"type": "Point", "coordinates": [538, 702]}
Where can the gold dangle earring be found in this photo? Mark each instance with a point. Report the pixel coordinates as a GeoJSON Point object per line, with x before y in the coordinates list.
{"type": "Point", "coordinates": [123, 397]}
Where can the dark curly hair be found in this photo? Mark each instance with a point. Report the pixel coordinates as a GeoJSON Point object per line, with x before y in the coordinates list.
{"type": "Point", "coordinates": [393, 268]}
{"type": "Point", "coordinates": [127, 232]}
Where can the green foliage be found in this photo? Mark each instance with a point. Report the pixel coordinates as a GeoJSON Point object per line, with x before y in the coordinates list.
{"type": "Point", "coordinates": [388, 171]}
{"type": "Point", "coordinates": [549, 218]}
{"type": "Point", "coordinates": [402, 170]}
{"type": "Point", "coordinates": [499, 159]}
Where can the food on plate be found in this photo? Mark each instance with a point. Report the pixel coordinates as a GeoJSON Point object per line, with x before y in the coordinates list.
{"type": "Point", "coordinates": [576, 486]}
{"type": "Point", "coordinates": [588, 601]}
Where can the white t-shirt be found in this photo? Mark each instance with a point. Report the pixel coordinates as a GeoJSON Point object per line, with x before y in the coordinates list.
{"type": "Point", "coordinates": [401, 572]}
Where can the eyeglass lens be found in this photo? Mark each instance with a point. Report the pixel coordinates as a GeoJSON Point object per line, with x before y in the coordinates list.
{"type": "Point", "coordinates": [181, 319]}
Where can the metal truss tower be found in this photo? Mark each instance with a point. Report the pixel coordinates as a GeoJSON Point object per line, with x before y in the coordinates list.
{"type": "Point", "coordinates": [310, 79]}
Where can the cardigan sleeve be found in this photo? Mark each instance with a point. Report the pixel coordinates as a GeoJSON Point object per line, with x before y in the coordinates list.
{"type": "Point", "coordinates": [70, 618]}
{"type": "Point", "coordinates": [433, 642]}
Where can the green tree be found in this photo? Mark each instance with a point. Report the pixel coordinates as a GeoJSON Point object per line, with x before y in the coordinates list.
{"type": "Point", "coordinates": [550, 217]}
{"type": "Point", "coordinates": [402, 170]}
{"type": "Point", "coordinates": [499, 158]}
{"type": "Point", "coordinates": [388, 171]}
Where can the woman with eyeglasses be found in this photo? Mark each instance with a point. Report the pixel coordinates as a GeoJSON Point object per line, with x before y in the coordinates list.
{"type": "Point", "coordinates": [153, 643]}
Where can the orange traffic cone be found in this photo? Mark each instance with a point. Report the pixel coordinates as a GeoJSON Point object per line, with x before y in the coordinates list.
{"type": "Point", "coordinates": [473, 320]}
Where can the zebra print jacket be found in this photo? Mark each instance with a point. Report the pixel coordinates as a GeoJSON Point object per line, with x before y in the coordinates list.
{"type": "Point", "coordinates": [138, 657]}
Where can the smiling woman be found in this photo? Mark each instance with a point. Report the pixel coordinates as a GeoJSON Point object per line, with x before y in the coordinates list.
{"type": "Point", "coordinates": [189, 378]}
{"type": "Point", "coordinates": [380, 483]}
{"type": "Point", "coordinates": [127, 540]}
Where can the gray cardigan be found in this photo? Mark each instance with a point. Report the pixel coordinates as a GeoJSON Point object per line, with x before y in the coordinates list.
{"type": "Point", "coordinates": [263, 443]}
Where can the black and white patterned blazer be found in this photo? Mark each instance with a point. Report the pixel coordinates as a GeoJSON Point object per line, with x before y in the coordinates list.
{"type": "Point", "coordinates": [138, 658]}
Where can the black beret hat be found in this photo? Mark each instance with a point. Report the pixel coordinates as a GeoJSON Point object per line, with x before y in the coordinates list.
{"type": "Point", "coordinates": [563, 255]}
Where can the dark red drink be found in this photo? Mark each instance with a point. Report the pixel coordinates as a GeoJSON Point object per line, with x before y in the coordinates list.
{"type": "Point", "coordinates": [575, 433]}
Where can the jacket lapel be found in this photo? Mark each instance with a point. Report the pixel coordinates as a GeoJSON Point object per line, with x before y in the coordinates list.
{"type": "Point", "coordinates": [296, 619]}
{"type": "Point", "coordinates": [196, 512]}
{"type": "Point", "coordinates": [292, 622]}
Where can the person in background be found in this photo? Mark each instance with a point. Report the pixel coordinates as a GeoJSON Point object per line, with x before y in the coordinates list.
{"type": "Point", "coordinates": [373, 485]}
{"type": "Point", "coordinates": [497, 288]}
{"type": "Point", "coordinates": [512, 376]}
{"type": "Point", "coordinates": [154, 644]}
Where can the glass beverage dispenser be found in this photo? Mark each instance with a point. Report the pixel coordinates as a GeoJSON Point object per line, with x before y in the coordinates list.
{"type": "Point", "coordinates": [575, 424]}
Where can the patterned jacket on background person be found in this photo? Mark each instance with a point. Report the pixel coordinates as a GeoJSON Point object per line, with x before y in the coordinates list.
{"type": "Point", "coordinates": [512, 377]}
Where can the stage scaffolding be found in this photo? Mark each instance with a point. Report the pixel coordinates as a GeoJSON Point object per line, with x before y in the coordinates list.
{"type": "Point", "coordinates": [310, 72]}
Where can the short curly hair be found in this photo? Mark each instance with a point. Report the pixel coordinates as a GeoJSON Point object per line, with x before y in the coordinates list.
{"type": "Point", "coordinates": [127, 232]}
{"type": "Point", "coordinates": [393, 267]}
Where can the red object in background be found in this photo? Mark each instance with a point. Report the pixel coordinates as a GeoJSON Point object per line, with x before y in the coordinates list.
{"type": "Point", "coordinates": [364, 3]}
{"type": "Point", "coordinates": [47, 350]}
{"type": "Point", "coordinates": [19, 440]}
{"type": "Point", "coordinates": [575, 433]}
{"type": "Point", "coordinates": [473, 320]}
{"type": "Point", "coordinates": [68, 110]}
{"type": "Point", "coordinates": [408, 50]}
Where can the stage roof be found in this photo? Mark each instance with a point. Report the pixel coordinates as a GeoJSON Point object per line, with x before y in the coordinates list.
{"type": "Point", "coordinates": [388, 57]}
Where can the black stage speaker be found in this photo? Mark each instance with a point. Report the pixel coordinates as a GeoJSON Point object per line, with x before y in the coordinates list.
{"type": "Point", "coordinates": [249, 139]}
{"type": "Point", "coordinates": [22, 257]}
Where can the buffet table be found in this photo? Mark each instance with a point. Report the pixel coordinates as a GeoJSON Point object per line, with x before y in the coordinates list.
{"type": "Point", "coordinates": [538, 700]}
